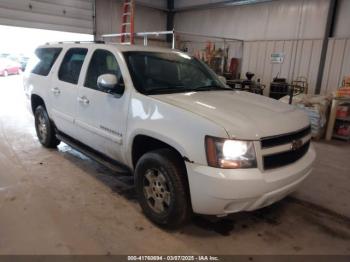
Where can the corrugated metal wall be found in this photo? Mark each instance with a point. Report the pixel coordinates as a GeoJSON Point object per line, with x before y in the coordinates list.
{"type": "Point", "coordinates": [337, 64]}
{"type": "Point", "coordinates": [68, 15]}
{"type": "Point", "coordinates": [338, 54]}
{"type": "Point", "coordinates": [158, 4]}
{"type": "Point", "coordinates": [301, 59]}
{"type": "Point", "coordinates": [186, 3]}
{"type": "Point", "coordinates": [284, 19]}
{"type": "Point", "coordinates": [342, 25]}
{"type": "Point", "coordinates": [292, 27]}
{"type": "Point", "coordinates": [109, 17]}
{"type": "Point", "coordinates": [194, 44]}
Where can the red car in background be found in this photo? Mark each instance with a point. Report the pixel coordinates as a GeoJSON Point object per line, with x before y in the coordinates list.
{"type": "Point", "coordinates": [9, 67]}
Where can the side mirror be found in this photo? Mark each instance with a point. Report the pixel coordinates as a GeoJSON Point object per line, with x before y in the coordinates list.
{"type": "Point", "coordinates": [222, 79]}
{"type": "Point", "coordinates": [109, 83]}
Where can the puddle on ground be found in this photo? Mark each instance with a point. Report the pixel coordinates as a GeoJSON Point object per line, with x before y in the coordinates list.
{"type": "Point", "coordinates": [222, 226]}
{"type": "Point", "coordinates": [268, 215]}
{"type": "Point", "coordinates": [241, 221]}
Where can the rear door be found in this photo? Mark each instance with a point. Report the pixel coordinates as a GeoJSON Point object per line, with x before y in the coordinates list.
{"type": "Point", "coordinates": [64, 90]}
{"type": "Point", "coordinates": [101, 117]}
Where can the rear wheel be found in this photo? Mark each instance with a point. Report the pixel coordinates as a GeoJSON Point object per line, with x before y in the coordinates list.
{"type": "Point", "coordinates": [6, 73]}
{"type": "Point", "coordinates": [162, 188]}
{"type": "Point", "coordinates": [44, 128]}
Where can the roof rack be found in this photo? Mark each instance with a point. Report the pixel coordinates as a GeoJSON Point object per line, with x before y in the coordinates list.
{"type": "Point", "coordinates": [174, 33]}
{"type": "Point", "coordinates": [76, 42]}
{"type": "Point", "coordinates": [145, 36]}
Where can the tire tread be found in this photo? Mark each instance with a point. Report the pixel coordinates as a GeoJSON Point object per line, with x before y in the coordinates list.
{"type": "Point", "coordinates": [176, 168]}
{"type": "Point", "coordinates": [51, 141]}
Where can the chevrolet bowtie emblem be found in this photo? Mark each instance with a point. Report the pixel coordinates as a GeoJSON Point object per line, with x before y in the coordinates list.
{"type": "Point", "coordinates": [296, 144]}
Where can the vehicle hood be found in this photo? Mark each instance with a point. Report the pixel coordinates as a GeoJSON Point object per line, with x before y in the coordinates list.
{"type": "Point", "coordinates": [243, 115]}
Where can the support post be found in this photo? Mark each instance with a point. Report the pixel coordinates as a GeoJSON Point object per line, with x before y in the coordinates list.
{"type": "Point", "coordinates": [329, 30]}
{"type": "Point", "coordinates": [173, 45]}
{"type": "Point", "coordinates": [94, 19]}
{"type": "Point", "coordinates": [170, 19]}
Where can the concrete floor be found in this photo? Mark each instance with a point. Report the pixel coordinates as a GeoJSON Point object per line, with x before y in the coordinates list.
{"type": "Point", "coordinates": [60, 202]}
{"type": "Point", "coordinates": [329, 184]}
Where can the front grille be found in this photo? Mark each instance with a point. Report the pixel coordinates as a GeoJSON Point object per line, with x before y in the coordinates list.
{"type": "Point", "coordinates": [285, 138]}
{"type": "Point", "coordinates": [285, 158]}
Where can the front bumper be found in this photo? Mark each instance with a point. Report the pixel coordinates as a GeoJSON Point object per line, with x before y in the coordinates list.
{"type": "Point", "coordinates": [222, 191]}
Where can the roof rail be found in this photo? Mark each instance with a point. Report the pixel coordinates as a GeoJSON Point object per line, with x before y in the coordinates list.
{"type": "Point", "coordinates": [76, 42]}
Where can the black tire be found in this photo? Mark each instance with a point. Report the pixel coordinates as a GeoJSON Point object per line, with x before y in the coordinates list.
{"type": "Point", "coordinates": [177, 211]}
{"type": "Point", "coordinates": [45, 129]}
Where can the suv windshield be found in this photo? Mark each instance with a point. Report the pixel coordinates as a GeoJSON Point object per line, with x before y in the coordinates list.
{"type": "Point", "coordinates": [159, 73]}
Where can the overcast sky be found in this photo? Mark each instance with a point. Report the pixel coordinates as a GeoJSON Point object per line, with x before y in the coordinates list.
{"type": "Point", "coordinates": [19, 40]}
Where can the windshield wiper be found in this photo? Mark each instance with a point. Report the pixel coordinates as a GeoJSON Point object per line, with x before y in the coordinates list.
{"type": "Point", "coordinates": [166, 90]}
{"type": "Point", "coordinates": [182, 89]}
{"type": "Point", "coordinates": [210, 88]}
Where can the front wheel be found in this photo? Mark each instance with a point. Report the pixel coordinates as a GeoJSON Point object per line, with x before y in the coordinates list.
{"type": "Point", "coordinates": [44, 128]}
{"type": "Point", "coordinates": [162, 188]}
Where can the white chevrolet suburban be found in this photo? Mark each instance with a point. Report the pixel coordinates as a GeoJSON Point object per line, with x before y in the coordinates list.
{"type": "Point", "coordinates": [192, 143]}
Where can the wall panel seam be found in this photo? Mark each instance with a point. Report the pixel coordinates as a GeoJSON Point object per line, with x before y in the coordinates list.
{"type": "Point", "coordinates": [330, 65]}
{"type": "Point", "coordinates": [310, 59]}
{"type": "Point", "coordinates": [340, 78]}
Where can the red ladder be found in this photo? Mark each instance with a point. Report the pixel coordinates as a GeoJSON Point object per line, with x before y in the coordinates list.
{"type": "Point", "coordinates": [128, 22]}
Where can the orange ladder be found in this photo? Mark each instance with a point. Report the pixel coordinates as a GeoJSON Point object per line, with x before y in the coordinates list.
{"type": "Point", "coordinates": [127, 31]}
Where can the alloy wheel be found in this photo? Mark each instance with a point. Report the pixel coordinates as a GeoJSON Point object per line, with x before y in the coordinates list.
{"type": "Point", "coordinates": [42, 127]}
{"type": "Point", "coordinates": [156, 191]}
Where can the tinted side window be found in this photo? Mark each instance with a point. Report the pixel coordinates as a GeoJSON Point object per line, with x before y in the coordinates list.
{"type": "Point", "coordinates": [102, 62]}
{"type": "Point", "coordinates": [71, 65]}
{"type": "Point", "coordinates": [44, 60]}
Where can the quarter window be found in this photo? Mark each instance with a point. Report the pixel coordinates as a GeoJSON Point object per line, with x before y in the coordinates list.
{"type": "Point", "coordinates": [102, 62]}
{"type": "Point", "coordinates": [71, 65]}
{"type": "Point", "coordinates": [43, 60]}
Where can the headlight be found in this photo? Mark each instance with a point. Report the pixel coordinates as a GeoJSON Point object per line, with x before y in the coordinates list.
{"type": "Point", "coordinates": [224, 153]}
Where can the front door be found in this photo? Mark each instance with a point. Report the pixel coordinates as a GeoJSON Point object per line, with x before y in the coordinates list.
{"type": "Point", "coordinates": [101, 117]}
{"type": "Point", "coordinates": [64, 90]}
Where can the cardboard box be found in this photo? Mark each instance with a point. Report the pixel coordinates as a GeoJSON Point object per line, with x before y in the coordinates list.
{"type": "Point", "coordinates": [343, 130]}
{"type": "Point", "coordinates": [347, 81]}
{"type": "Point", "coordinates": [343, 92]}
{"type": "Point", "coordinates": [343, 111]}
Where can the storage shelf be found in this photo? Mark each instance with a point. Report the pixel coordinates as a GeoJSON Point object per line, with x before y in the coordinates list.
{"type": "Point", "coordinates": [346, 138]}
{"type": "Point", "coordinates": [333, 118]}
{"type": "Point", "coordinates": [347, 119]}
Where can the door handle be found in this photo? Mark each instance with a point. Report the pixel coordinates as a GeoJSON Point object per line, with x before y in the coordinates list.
{"type": "Point", "coordinates": [83, 100]}
{"type": "Point", "coordinates": [56, 90]}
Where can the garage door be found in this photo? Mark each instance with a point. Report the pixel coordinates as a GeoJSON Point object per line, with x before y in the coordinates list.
{"type": "Point", "coordinates": [62, 15]}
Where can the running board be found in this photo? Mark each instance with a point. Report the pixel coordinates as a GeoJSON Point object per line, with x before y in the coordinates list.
{"type": "Point", "coordinates": [98, 157]}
